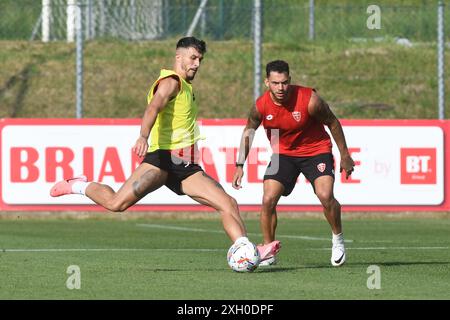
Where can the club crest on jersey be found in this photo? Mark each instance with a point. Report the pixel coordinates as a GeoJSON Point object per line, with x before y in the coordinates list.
{"type": "Point", "coordinates": [269, 117]}
{"type": "Point", "coordinates": [297, 115]}
{"type": "Point", "coordinates": [321, 167]}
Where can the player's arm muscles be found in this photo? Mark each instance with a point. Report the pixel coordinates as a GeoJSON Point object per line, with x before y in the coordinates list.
{"type": "Point", "coordinates": [321, 111]}
{"type": "Point", "coordinates": [166, 90]}
{"type": "Point", "coordinates": [253, 122]}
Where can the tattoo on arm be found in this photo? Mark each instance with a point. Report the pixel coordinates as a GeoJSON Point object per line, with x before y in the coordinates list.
{"type": "Point", "coordinates": [253, 122]}
{"type": "Point", "coordinates": [254, 119]}
{"type": "Point", "coordinates": [323, 113]}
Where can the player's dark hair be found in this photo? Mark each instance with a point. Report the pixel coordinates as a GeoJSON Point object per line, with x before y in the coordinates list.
{"type": "Point", "coordinates": [192, 42]}
{"type": "Point", "coordinates": [279, 66]}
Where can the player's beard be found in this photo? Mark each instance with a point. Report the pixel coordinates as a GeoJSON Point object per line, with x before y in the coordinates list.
{"type": "Point", "coordinates": [280, 99]}
{"type": "Point", "coordinates": [190, 73]}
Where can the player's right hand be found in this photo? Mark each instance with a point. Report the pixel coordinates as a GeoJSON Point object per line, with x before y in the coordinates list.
{"type": "Point", "coordinates": [237, 178]}
{"type": "Point", "coordinates": [140, 147]}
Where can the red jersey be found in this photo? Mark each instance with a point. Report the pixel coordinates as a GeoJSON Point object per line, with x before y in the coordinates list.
{"type": "Point", "coordinates": [290, 128]}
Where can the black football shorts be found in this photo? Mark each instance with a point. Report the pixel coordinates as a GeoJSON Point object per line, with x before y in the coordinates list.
{"type": "Point", "coordinates": [286, 169]}
{"type": "Point", "coordinates": [177, 169]}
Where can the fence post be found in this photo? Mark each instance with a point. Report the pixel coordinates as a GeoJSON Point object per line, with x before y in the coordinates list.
{"type": "Point", "coordinates": [46, 20]}
{"type": "Point", "coordinates": [71, 16]}
{"type": "Point", "coordinates": [200, 10]}
{"type": "Point", "coordinates": [257, 48]}
{"type": "Point", "coordinates": [440, 54]}
{"type": "Point", "coordinates": [89, 20]}
{"type": "Point", "coordinates": [311, 20]}
{"type": "Point", "coordinates": [79, 62]}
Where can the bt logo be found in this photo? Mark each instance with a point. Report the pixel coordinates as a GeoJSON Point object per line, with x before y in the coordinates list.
{"type": "Point", "coordinates": [418, 165]}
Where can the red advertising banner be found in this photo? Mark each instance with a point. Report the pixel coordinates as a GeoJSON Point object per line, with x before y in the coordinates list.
{"type": "Point", "coordinates": [401, 165]}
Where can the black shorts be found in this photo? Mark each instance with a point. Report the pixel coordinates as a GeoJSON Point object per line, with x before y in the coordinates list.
{"type": "Point", "coordinates": [286, 169]}
{"type": "Point", "coordinates": [177, 169]}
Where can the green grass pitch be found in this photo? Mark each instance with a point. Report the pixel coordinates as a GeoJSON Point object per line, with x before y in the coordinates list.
{"type": "Point", "coordinates": [162, 259]}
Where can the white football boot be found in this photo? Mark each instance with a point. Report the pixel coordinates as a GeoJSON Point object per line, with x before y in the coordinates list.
{"type": "Point", "coordinates": [338, 252]}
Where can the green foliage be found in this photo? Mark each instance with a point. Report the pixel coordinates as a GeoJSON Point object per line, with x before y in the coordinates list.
{"type": "Point", "coordinates": [18, 17]}
{"type": "Point", "coordinates": [372, 79]}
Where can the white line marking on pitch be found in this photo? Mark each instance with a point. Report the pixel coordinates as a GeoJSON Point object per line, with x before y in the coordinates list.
{"type": "Point", "coordinates": [105, 249]}
{"type": "Point", "coordinates": [387, 248]}
{"type": "Point", "coordinates": [195, 249]}
{"type": "Point", "coordinates": [161, 226]}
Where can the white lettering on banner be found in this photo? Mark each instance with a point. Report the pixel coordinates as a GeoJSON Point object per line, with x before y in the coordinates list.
{"type": "Point", "coordinates": [395, 165]}
{"type": "Point", "coordinates": [417, 164]}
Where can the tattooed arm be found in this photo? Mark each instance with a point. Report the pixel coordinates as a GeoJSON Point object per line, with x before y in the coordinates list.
{"type": "Point", "coordinates": [321, 111]}
{"type": "Point", "coordinates": [253, 122]}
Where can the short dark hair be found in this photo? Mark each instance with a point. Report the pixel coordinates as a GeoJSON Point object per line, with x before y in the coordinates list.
{"type": "Point", "coordinates": [279, 66]}
{"type": "Point", "coordinates": [192, 42]}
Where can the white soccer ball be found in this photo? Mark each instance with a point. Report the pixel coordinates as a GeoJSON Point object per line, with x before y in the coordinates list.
{"type": "Point", "coordinates": [243, 257]}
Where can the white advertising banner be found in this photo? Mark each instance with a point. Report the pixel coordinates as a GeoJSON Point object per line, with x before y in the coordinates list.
{"type": "Point", "coordinates": [395, 164]}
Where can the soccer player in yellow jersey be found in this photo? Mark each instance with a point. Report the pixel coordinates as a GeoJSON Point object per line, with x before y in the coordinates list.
{"type": "Point", "coordinates": [170, 121]}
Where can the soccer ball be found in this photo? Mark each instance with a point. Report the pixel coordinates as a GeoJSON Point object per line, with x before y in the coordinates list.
{"type": "Point", "coordinates": [243, 257]}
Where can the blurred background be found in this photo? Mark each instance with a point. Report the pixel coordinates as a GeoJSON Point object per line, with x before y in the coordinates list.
{"type": "Point", "coordinates": [372, 61]}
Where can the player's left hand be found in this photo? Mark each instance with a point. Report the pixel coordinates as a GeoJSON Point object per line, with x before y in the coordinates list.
{"type": "Point", "coordinates": [348, 165]}
{"type": "Point", "coordinates": [237, 178]}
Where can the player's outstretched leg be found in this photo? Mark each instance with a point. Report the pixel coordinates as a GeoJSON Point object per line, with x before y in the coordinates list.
{"type": "Point", "coordinates": [207, 191]}
{"type": "Point", "coordinates": [145, 179]}
{"type": "Point", "coordinates": [66, 186]}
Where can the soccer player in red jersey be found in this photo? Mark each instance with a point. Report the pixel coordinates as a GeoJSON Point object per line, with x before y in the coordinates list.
{"type": "Point", "coordinates": [294, 118]}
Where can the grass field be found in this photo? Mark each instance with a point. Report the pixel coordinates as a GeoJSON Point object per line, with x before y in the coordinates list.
{"type": "Point", "coordinates": [159, 259]}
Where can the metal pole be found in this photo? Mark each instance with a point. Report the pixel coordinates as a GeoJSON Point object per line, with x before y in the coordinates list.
{"type": "Point", "coordinates": [88, 21]}
{"type": "Point", "coordinates": [440, 71]}
{"type": "Point", "coordinates": [221, 19]}
{"type": "Point", "coordinates": [36, 28]}
{"type": "Point", "coordinates": [46, 19]}
{"type": "Point", "coordinates": [257, 47]}
{"type": "Point", "coordinates": [79, 62]}
{"type": "Point", "coordinates": [133, 19]}
{"type": "Point", "coordinates": [311, 20]}
{"type": "Point", "coordinates": [71, 19]}
{"type": "Point", "coordinates": [197, 16]}
{"type": "Point", "coordinates": [203, 24]}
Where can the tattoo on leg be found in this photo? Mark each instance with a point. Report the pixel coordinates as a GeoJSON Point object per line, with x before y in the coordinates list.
{"type": "Point", "coordinates": [143, 184]}
{"type": "Point", "coordinates": [218, 185]}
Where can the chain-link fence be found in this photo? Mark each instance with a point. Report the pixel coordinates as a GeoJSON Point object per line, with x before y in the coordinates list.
{"type": "Point", "coordinates": [283, 20]}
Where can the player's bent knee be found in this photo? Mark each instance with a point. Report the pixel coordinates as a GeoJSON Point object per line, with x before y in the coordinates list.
{"type": "Point", "coordinates": [116, 206]}
{"type": "Point", "coordinates": [269, 201]}
{"type": "Point", "coordinates": [230, 207]}
{"type": "Point", "coordinates": [325, 196]}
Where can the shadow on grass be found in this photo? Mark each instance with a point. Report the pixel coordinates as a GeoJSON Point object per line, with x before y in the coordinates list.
{"type": "Point", "coordinates": [350, 265]}
{"type": "Point", "coordinates": [400, 263]}
{"type": "Point", "coordinates": [302, 267]}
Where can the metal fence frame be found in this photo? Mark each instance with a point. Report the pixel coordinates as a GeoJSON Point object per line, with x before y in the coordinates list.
{"type": "Point", "coordinates": [78, 8]}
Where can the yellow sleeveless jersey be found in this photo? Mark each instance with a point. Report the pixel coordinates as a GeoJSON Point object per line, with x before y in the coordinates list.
{"type": "Point", "coordinates": [176, 125]}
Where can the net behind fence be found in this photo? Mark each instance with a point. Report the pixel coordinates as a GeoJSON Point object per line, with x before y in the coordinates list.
{"type": "Point", "coordinates": [283, 20]}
